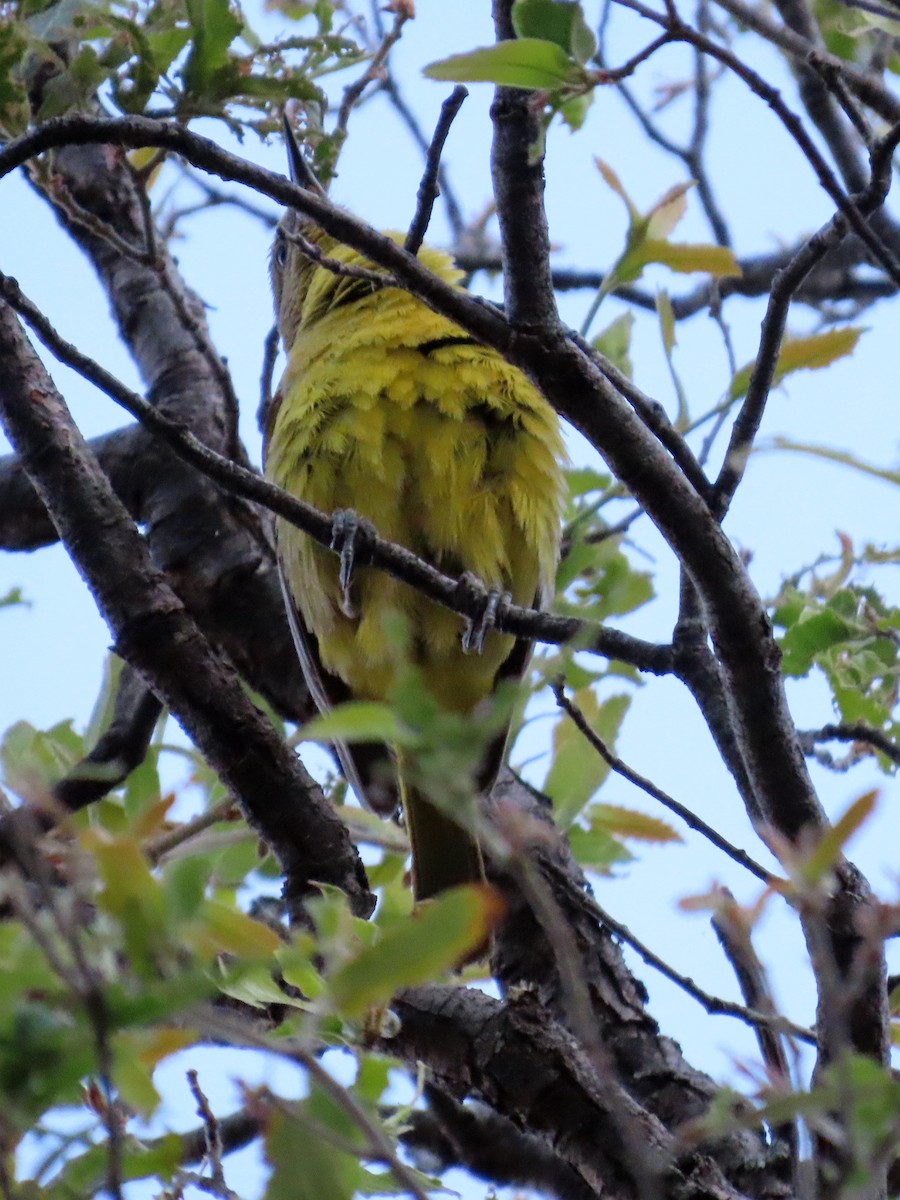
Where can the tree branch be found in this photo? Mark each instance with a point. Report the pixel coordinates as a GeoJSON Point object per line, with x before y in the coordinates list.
{"type": "Point", "coordinates": [154, 633]}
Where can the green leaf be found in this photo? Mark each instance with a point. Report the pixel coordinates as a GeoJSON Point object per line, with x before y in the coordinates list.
{"type": "Point", "coordinates": [583, 481]}
{"type": "Point", "coordinates": [667, 212]}
{"type": "Point", "coordinates": [596, 849]}
{"type": "Point", "coordinates": [85, 1174]}
{"type": "Point", "coordinates": [803, 353]}
{"type": "Point", "coordinates": [357, 721]}
{"type": "Point", "coordinates": [831, 844]}
{"type": "Point", "coordinates": [685, 258]}
{"type": "Point", "coordinates": [627, 823]}
{"type": "Point", "coordinates": [600, 580]}
{"type": "Point", "coordinates": [304, 1165]}
{"type": "Point", "coordinates": [254, 986]}
{"type": "Point", "coordinates": [13, 112]}
{"type": "Point", "coordinates": [222, 929]}
{"type": "Point", "coordinates": [34, 760]}
{"type": "Point", "coordinates": [574, 109]}
{"type": "Point", "coordinates": [578, 770]}
{"type": "Point", "coordinates": [811, 636]}
{"type": "Point", "coordinates": [559, 21]}
{"type": "Point", "coordinates": [214, 27]}
{"type": "Point", "coordinates": [615, 343]}
{"type": "Point", "coordinates": [437, 936]}
{"type": "Point", "coordinates": [184, 887]}
{"type": "Point", "coordinates": [529, 63]}
{"type": "Point", "coordinates": [15, 597]}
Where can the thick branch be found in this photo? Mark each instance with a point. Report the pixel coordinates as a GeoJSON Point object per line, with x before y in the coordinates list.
{"type": "Point", "coordinates": [517, 173]}
{"type": "Point", "coordinates": [515, 1060]}
{"type": "Point", "coordinates": [154, 633]}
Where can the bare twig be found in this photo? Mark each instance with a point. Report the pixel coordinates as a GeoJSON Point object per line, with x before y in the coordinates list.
{"type": "Point", "coordinates": [403, 11]}
{"type": "Point", "coordinates": [428, 188]}
{"type": "Point", "coordinates": [856, 731]}
{"type": "Point", "coordinates": [734, 934]}
{"type": "Point", "coordinates": [786, 283]}
{"type": "Point", "coordinates": [714, 1005]}
{"type": "Point", "coordinates": [214, 1149]}
{"type": "Point", "coordinates": [378, 279]}
{"type": "Point", "coordinates": [157, 848]}
{"type": "Point", "coordinates": [864, 85]}
{"type": "Point", "coordinates": [379, 1145]}
{"type": "Point", "coordinates": [691, 819]}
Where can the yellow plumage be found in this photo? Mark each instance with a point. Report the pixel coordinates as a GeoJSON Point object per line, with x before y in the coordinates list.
{"type": "Point", "coordinates": [389, 410]}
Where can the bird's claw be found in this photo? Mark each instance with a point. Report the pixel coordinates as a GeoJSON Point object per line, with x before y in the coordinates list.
{"type": "Point", "coordinates": [492, 603]}
{"type": "Point", "coordinates": [351, 534]}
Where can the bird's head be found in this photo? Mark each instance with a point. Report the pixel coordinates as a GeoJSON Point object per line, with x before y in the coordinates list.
{"type": "Point", "coordinates": [290, 268]}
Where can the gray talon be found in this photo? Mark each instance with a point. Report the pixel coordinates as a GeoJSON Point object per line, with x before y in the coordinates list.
{"type": "Point", "coordinates": [494, 602]}
{"type": "Point", "coordinates": [349, 533]}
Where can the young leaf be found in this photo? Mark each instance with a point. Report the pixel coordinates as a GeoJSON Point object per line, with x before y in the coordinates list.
{"type": "Point", "coordinates": [803, 353]}
{"type": "Point", "coordinates": [666, 315]}
{"type": "Point", "coordinates": [615, 343]}
{"type": "Point", "coordinates": [627, 823]}
{"type": "Point", "coordinates": [686, 258]}
{"type": "Point", "coordinates": [356, 721]}
{"type": "Point", "coordinates": [834, 840]}
{"type": "Point", "coordinates": [577, 770]}
{"type": "Point", "coordinates": [667, 211]}
{"type": "Point", "coordinates": [596, 849]}
{"type": "Point", "coordinates": [529, 63]}
{"type": "Point", "coordinates": [612, 180]}
{"type": "Point", "coordinates": [559, 21]}
{"type": "Point", "coordinates": [437, 936]}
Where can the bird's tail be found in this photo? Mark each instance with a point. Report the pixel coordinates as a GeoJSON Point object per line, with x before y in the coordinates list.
{"type": "Point", "coordinates": [444, 854]}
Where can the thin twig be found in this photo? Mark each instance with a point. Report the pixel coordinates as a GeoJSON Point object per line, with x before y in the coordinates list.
{"type": "Point", "coordinates": [654, 417]}
{"type": "Point", "coordinates": [352, 93]}
{"type": "Point", "coordinates": [428, 188]}
{"type": "Point", "coordinates": [741, 857]}
{"type": "Point", "coordinates": [391, 89]}
{"type": "Point", "coordinates": [267, 372]}
{"type": "Point", "coordinates": [714, 1005]}
{"type": "Point", "coordinates": [157, 848]}
{"type": "Point", "coordinates": [152, 258]}
{"type": "Point", "coordinates": [211, 1132]}
{"type": "Point", "coordinates": [864, 85]}
{"type": "Point", "coordinates": [380, 1146]}
{"type": "Point", "coordinates": [857, 731]}
{"type": "Point", "coordinates": [379, 279]}
{"type": "Point", "coordinates": [733, 932]}
{"type": "Point", "coordinates": [786, 282]}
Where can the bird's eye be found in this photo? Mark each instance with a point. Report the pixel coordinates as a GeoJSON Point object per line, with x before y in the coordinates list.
{"type": "Point", "coordinates": [281, 254]}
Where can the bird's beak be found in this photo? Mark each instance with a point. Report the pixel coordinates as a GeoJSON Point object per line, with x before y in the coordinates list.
{"type": "Point", "coordinates": [300, 171]}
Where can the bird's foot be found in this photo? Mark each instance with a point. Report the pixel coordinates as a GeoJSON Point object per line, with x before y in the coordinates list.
{"type": "Point", "coordinates": [352, 537]}
{"type": "Point", "coordinates": [491, 604]}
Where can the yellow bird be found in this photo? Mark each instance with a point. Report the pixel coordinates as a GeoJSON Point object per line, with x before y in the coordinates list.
{"type": "Point", "coordinates": [391, 412]}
